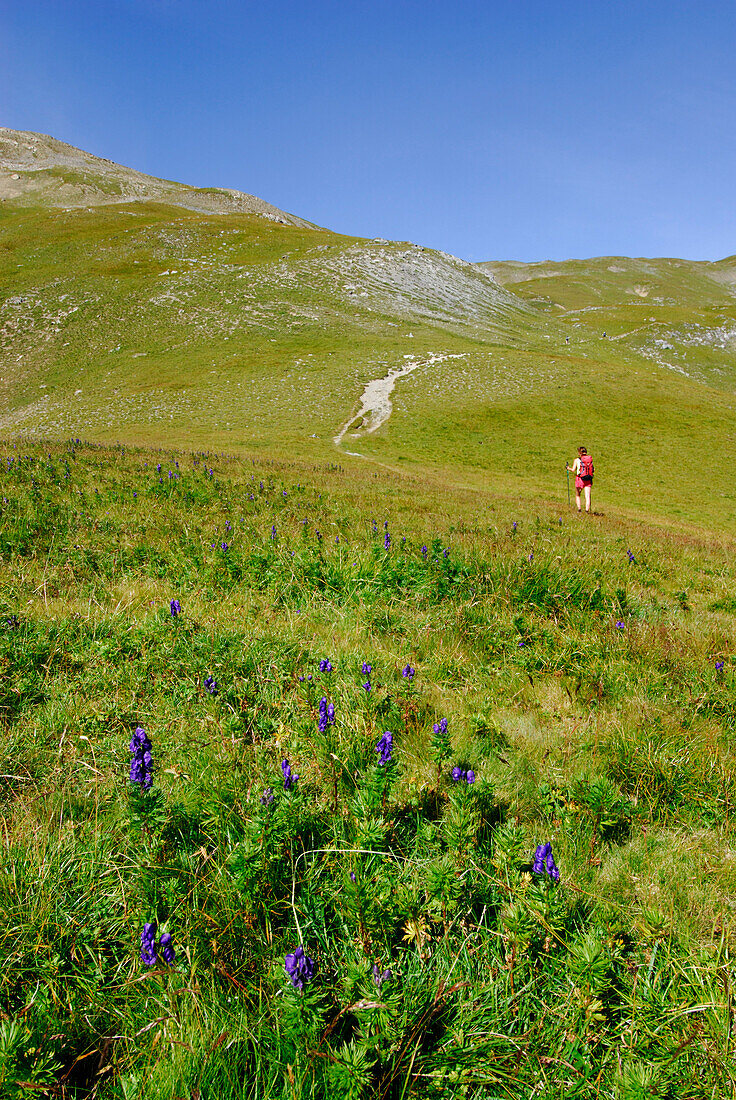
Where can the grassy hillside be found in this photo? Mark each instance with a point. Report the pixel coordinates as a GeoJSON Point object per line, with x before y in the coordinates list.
{"type": "Point", "coordinates": [161, 324]}
{"type": "Point", "coordinates": [584, 670]}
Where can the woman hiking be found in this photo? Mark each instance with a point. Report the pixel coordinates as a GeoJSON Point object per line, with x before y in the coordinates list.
{"type": "Point", "coordinates": [583, 469]}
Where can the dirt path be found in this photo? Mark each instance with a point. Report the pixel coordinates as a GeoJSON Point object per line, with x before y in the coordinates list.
{"type": "Point", "coordinates": [376, 407]}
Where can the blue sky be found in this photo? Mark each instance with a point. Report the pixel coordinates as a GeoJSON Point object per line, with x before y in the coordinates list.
{"type": "Point", "coordinates": [497, 130]}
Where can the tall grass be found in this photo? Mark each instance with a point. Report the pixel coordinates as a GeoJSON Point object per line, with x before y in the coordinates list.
{"type": "Point", "coordinates": [590, 696]}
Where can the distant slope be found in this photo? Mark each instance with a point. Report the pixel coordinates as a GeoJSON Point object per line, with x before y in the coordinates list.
{"type": "Point", "coordinates": [39, 170]}
{"type": "Point", "coordinates": [679, 313]}
{"type": "Point", "coordinates": [154, 321]}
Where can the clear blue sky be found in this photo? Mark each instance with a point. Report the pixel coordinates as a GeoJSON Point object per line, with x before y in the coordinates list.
{"type": "Point", "coordinates": [494, 130]}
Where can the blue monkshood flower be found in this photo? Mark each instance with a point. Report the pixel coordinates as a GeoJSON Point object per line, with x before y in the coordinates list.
{"type": "Point", "coordinates": [367, 685]}
{"type": "Point", "coordinates": [425, 551]}
{"type": "Point", "coordinates": [12, 622]}
{"type": "Point", "coordinates": [385, 525]}
{"type": "Point", "coordinates": [167, 951]}
{"type": "Point", "coordinates": [331, 713]}
{"type": "Point", "coordinates": [440, 727]}
{"type": "Point", "coordinates": [403, 540]}
{"type": "Point", "coordinates": [223, 546]}
{"type": "Point", "coordinates": [620, 625]}
{"type": "Point", "coordinates": [158, 467]}
{"type": "Point", "coordinates": [544, 862]}
{"type": "Point", "coordinates": [514, 525]}
{"type": "Point", "coordinates": [160, 481]}
{"type": "Point", "coordinates": [378, 977]}
{"type": "Point", "coordinates": [301, 679]}
{"type": "Point", "coordinates": [300, 968]}
{"type": "Point", "coordinates": [387, 541]}
{"type": "Point", "coordinates": [267, 797]}
{"type": "Point", "coordinates": [521, 644]}
{"type": "Point", "coordinates": [149, 956]}
{"type": "Point", "coordinates": [632, 559]}
{"type": "Point", "coordinates": [273, 530]}
{"type": "Point", "coordinates": [290, 778]}
{"type": "Point", "coordinates": [170, 475]}
{"type": "Point", "coordinates": [719, 666]}
{"type": "Point", "coordinates": [325, 665]}
{"type": "Point", "coordinates": [284, 492]}
{"type": "Point", "coordinates": [318, 536]}
{"type": "Point", "coordinates": [457, 774]}
{"type": "Point", "coordinates": [211, 685]}
{"type": "Point", "coordinates": [445, 552]}
{"type": "Point", "coordinates": [141, 766]}
{"type": "Point", "coordinates": [384, 748]}
{"type": "Point", "coordinates": [175, 607]}
{"type": "Point", "coordinates": [374, 525]}
{"type": "Point", "coordinates": [353, 877]}
{"type": "Point", "coordinates": [337, 540]}
{"type": "Point", "coordinates": [135, 495]}
{"type": "Point", "coordinates": [470, 776]}
{"type": "Point", "coordinates": [408, 672]}
{"type": "Point", "coordinates": [228, 525]}
{"type": "Point", "coordinates": [531, 556]}
{"type": "Point", "coordinates": [366, 669]}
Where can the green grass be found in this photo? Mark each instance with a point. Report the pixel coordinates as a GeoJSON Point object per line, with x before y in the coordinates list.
{"type": "Point", "coordinates": [614, 743]}
{"type": "Point", "coordinates": [160, 325]}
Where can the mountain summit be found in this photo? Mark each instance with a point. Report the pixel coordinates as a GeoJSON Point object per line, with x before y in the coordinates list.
{"type": "Point", "coordinates": [38, 170]}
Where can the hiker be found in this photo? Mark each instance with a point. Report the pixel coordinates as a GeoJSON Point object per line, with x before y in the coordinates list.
{"type": "Point", "coordinates": [583, 469]}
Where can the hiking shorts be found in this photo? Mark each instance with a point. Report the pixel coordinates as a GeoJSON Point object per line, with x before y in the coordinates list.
{"type": "Point", "coordinates": [581, 482]}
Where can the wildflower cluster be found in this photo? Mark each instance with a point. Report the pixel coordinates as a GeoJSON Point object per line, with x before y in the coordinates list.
{"type": "Point", "coordinates": [211, 685]}
{"type": "Point", "coordinates": [300, 968]}
{"type": "Point", "coordinates": [408, 672]}
{"type": "Point", "coordinates": [141, 766]}
{"type": "Point", "coordinates": [544, 862]}
{"type": "Point", "coordinates": [326, 714]}
{"type": "Point", "coordinates": [459, 774]}
{"type": "Point", "coordinates": [175, 607]}
{"type": "Point", "coordinates": [290, 778]}
{"type": "Point", "coordinates": [325, 665]}
{"type": "Point", "coordinates": [384, 748]}
{"type": "Point", "coordinates": [150, 949]}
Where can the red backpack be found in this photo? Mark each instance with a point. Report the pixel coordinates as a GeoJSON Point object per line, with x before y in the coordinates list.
{"type": "Point", "coordinates": [586, 466]}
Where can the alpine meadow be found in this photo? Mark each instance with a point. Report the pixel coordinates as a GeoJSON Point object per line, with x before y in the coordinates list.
{"type": "Point", "coordinates": [340, 757]}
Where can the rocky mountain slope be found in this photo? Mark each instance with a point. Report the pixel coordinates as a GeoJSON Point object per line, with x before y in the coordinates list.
{"type": "Point", "coordinates": [39, 170]}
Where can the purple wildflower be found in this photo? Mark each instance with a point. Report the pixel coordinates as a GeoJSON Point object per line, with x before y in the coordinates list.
{"type": "Point", "coordinates": [267, 797]}
{"type": "Point", "coordinates": [632, 559]}
{"type": "Point", "coordinates": [408, 672]}
{"type": "Point", "coordinates": [544, 862]}
{"type": "Point", "coordinates": [149, 956]}
{"type": "Point", "coordinates": [366, 669]}
{"type": "Point", "coordinates": [367, 686]}
{"type": "Point", "coordinates": [289, 777]}
{"type": "Point", "coordinates": [719, 666]}
{"type": "Point", "coordinates": [378, 977]}
{"type": "Point", "coordinates": [620, 625]}
{"type": "Point", "coordinates": [223, 546]}
{"type": "Point", "coordinates": [384, 748]}
{"type": "Point", "coordinates": [175, 608]}
{"type": "Point", "coordinates": [300, 968]}
{"type": "Point", "coordinates": [167, 951]}
{"type": "Point", "coordinates": [325, 665]}
{"type": "Point", "coordinates": [141, 766]}
{"type": "Point", "coordinates": [425, 551]}
{"type": "Point", "coordinates": [353, 877]}
{"type": "Point", "coordinates": [273, 531]}
{"type": "Point", "coordinates": [457, 774]}
{"type": "Point", "coordinates": [211, 685]}
{"type": "Point", "coordinates": [470, 776]}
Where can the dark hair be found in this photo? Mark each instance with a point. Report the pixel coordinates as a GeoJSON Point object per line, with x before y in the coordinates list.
{"type": "Point", "coordinates": [582, 450]}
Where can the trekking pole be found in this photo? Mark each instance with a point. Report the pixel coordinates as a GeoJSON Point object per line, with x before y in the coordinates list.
{"type": "Point", "coordinates": [567, 470]}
